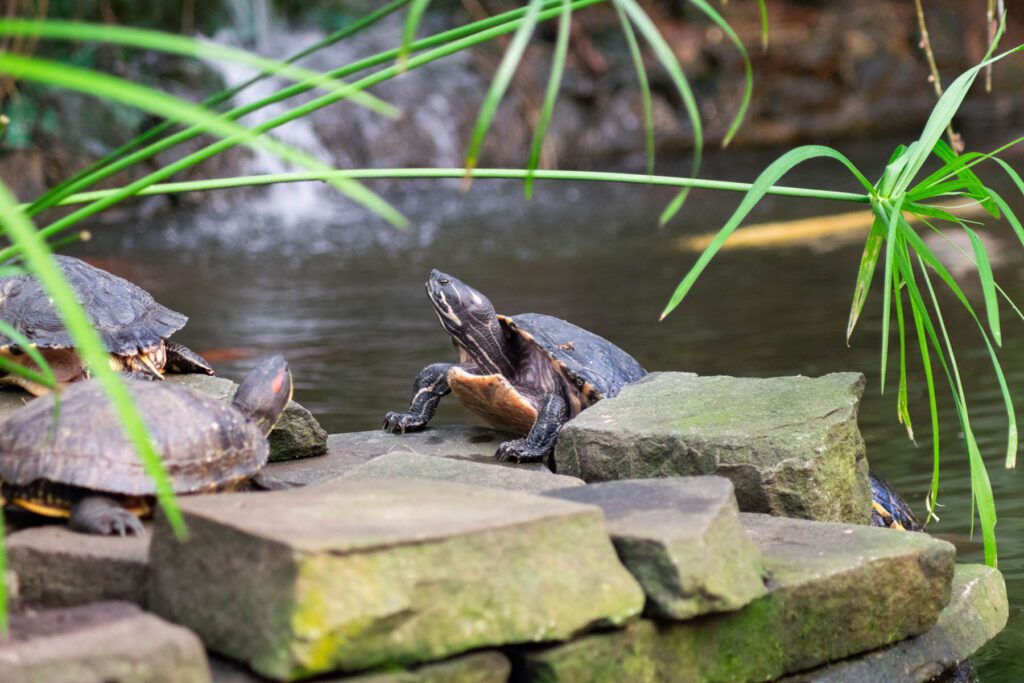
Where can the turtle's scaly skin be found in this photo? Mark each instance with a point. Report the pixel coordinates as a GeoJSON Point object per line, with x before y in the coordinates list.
{"type": "Point", "coordinates": [888, 509]}
{"type": "Point", "coordinates": [205, 443]}
{"type": "Point", "coordinates": [527, 374]}
{"type": "Point", "coordinates": [133, 326]}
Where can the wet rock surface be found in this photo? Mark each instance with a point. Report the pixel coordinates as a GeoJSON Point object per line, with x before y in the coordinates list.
{"type": "Point", "coordinates": [100, 643]}
{"type": "Point", "coordinates": [977, 611]}
{"type": "Point", "coordinates": [790, 445]}
{"type": "Point", "coordinates": [400, 464]}
{"type": "Point", "coordinates": [57, 567]}
{"type": "Point", "coordinates": [353, 575]}
{"type": "Point", "coordinates": [681, 538]}
{"type": "Point", "coordinates": [825, 602]}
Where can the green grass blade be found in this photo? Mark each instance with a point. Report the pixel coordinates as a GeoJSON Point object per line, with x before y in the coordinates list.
{"type": "Point", "coordinates": [892, 220]}
{"type": "Point", "coordinates": [758, 190]}
{"type": "Point", "coordinates": [554, 84]}
{"type": "Point", "coordinates": [499, 84]}
{"type": "Point", "coordinates": [668, 60]}
{"type": "Point", "coordinates": [481, 173]}
{"type": "Point", "coordinates": [645, 87]}
{"type": "Point", "coordinates": [981, 487]}
{"type": "Point", "coordinates": [412, 22]}
{"type": "Point", "coordinates": [55, 193]}
{"type": "Point", "coordinates": [865, 273]}
{"type": "Point", "coordinates": [90, 347]}
{"type": "Point", "coordinates": [161, 104]}
{"type": "Point", "coordinates": [450, 42]}
{"type": "Point", "coordinates": [748, 69]}
{"type": "Point", "coordinates": [764, 24]}
{"type": "Point", "coordinates": [902, 402]}
{"type": "Point", "coordinates": [988, 287]}
{"type": "Point", "coordinates": [148, 39]}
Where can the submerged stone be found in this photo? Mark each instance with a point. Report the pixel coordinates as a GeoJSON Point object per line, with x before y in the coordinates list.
{"type": "Point", "coordinates": [834, 591]}
{"type": "Point", "coordinates": [976, 613]}
{"type": "Point", "coordinates": [681, 538]}
{"type": "Point", "coordinates": [412, 465]}
{"type": "Point", "coordinates": [57, 567]}
{"type": "Point", "coordinates": [353, 575]}
{"type": "Point", "coordinates": [100, 643]}
{"type": "Point", "coordinates": [790, 445]}
{"type": "Point", "coordinates": [297, 434]}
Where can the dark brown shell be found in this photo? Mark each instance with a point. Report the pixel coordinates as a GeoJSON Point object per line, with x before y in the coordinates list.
{"type": "Point", "coordinates": [126, 316]}
{"type": "Point", "coordinates": [205, 443]}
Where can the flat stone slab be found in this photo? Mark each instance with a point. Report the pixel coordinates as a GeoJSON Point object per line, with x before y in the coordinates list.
{"type": "Point", "coordinates": [835, 590]}
{"type": "Point", "coordinates": [790, 445]}
{"type": "Point", "coordinates": [57, 567]}
{"type": "Point", "coordinates": [478, 667]}
{"type": "Point", "coordinates": [400, 464]}
{"type": "Point", "coordinates": [976, 613]}
{"type": "Point", "coordinates": [347, 451]}
{"type": "Point", "coordinates": [100, 643]}
{"type": "Point", "coordinates": [296, 435]}
{"type": "Point", "coordinates": [681, 538]}
{"type": "Point", "coordinates": [352, 575]}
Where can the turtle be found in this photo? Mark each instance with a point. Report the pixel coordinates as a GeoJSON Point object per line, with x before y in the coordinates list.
{"type": "Point", "coordinates": [527, 374]}
{"type": "Point", "coordinates": [133, 326]}
{"type": "Point", "coordinates": [888, 509]}
{"type": "Point", "coordinates": [80, 465]}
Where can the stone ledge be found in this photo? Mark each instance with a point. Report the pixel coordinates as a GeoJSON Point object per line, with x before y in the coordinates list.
{"type": "Point", "coordinates": [790, 445]}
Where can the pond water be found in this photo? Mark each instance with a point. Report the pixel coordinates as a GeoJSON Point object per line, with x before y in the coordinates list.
{"type": "Point", "coordinates": [341, 296]}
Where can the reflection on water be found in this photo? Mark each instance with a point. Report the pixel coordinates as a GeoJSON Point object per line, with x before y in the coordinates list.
{"type": "Point", "coordinates": [348, 310]}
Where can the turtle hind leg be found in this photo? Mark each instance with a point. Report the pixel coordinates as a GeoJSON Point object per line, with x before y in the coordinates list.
{"type": "Point", "coordinates": [540, 442]}
{"type": "Point", "coordinates": [430, 387]}
{"type": "Point", "coordinates": [104, 516]}
{"type": "Point", "coordinates": [184, 361]}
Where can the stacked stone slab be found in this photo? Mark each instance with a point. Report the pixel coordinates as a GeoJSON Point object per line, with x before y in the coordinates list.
{"type": "Point", "coordinates": [100, 643]}
{"type": "Point", "coordinates": [682, 539]}
{"type": "Point", "coordinates": [790, 445]}
{"type": "Point", "coordinates": [57, 567]}
{"type": "Point", "coordinates": [834, 591]}
{"type": "Point", "coordinates": [356, 574]}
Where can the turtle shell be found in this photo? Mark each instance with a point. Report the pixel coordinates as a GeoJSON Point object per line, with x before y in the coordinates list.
{"type": "Point", "coordinates": [125, 315]}
{"type": "Point", "coordinates": [205, 443]}
{"type": "Point", "coordinates": [594, 366]}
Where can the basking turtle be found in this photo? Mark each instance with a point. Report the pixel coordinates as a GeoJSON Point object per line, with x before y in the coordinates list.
{"type": "Point", "coordinates": [134, 327]}
{"type": "Point", "coordinates": [527, 374]}
{"type": "Point", "coordinates": [888, 509]}
{"type": "Point", "coordinates": [82, 466]}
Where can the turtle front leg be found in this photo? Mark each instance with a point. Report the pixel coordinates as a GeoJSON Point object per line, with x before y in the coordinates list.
{"type": "Point", "coordinates": [104, 516]}
{"type": "Point", "coordinates": [540, 442]}
{"type": "Point", "coordinates": [430, 387]}
{"type": "Point", "coordinates": [184, 361]}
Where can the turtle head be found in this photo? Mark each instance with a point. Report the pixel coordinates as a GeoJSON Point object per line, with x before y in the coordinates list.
{"type": "Point", "coordinates": [265, 392]}
{"type": "Point", "coordinates": [469, 317]}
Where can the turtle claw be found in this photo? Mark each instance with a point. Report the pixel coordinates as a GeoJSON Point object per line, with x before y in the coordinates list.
{"type": "Point", "coordinates": [519, 451]}
{"type": "Point", "coordinates": [106, 517]}
{"type": "Point", "coordinates": [400, 423]}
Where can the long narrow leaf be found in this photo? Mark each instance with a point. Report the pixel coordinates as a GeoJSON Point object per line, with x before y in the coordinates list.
{"type": "Point", "coordinates": [865, 273]}
{"type": "Point", "coordinates": [500, 82]}
{"type": "Point", "coordinates": [412, 22]}
{"type": "Point", "coordinates": [95, 83]}
{"type": "Point", "coordinates": [988, 287]}
{"type": "Point", "coordinates": [188, 47]}
{"type": "Point", "coordinates": [758, 190]}
{"type": "Point", "coordinates": [554, 83]}
{"type": "Point", "coordinates": [748, 69]}
{"type": "Point", "coordinates": [645, 87]}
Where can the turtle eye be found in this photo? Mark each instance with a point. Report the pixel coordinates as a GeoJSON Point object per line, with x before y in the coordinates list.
{"type": "Point", "coordinates": [444, 282]}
